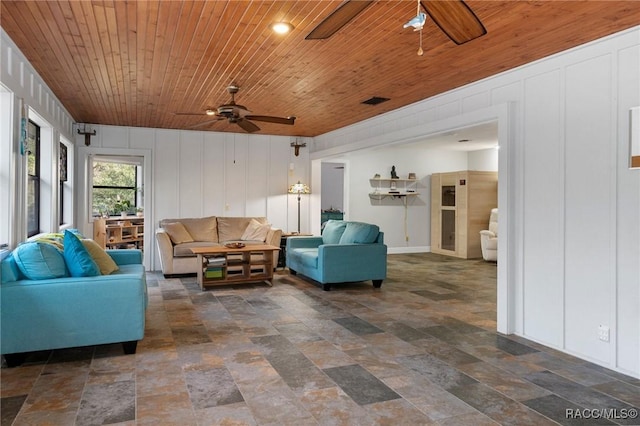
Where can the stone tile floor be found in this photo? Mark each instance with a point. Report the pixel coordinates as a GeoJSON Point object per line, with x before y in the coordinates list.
{"type": "Point", "coordinates": [421, 350]}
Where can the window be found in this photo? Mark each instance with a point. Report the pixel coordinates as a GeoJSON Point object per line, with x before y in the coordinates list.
{"type": "Point", "coordinates": [114, 187]}
{"type": "Point", "coordinates": [62, 179]}
{"type": "Point", "coordinates": [33, 179]}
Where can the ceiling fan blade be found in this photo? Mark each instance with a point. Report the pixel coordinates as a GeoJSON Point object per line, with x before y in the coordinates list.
{"type": "Point", "coordinates": [204, 123]}
{"type": "Point", "coordinates": [338, 19]}
{"type": "Point", "coordinates": [188, 113]}
{"type": "Point", "coordinates": [455, 19]}
{"type": "Point", "coordinates": [269, 119]}
{"type": "Point", "coordinates": [247, 126]}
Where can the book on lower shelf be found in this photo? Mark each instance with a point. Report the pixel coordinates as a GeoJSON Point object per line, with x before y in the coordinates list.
{"type": "Point", "coordinates": [213, 273]}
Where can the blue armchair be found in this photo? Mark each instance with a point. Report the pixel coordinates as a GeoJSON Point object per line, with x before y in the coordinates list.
{"type": "Point", "coordinates": [346, 252]}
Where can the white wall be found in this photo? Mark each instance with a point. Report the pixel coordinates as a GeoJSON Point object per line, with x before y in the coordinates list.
{"type": "Point", "coordinates": [332, 186]}
{"type": "Point", "coordinates": [196, 173]}
{"type": "Point", "coordinates": [407, 229]}
{"type": "Point", "coordinates": [483, 160]}
{"type": "Point", "coordinates": [571, 202]}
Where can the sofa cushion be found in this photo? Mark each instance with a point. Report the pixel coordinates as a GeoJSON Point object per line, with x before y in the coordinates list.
{"type": "Point", "coordinates": [10, 271]}
{"type": "Point", "coordinates": [103, 260]}
{"type": "Point", "coordinates": [232, 228]}
{"type": "Point", "coordinates": [333, 230]}
{"type": "Point", "coordinates": [200, 229]}
{"type": "Point", "coordinates": [184, 249]}
{"type": "Point", "coordinates": [40, 261]}
{"type": "Point", "coordinates": [78, 260]}
{"type": "Point", "coordinates": [359, 233]}
{"type": "Point", "coordinates": [305, 256]}
{"type": "Point", "coordinates": [203, 229]}
{"type": "Point", "coordinates": [177, 232]}
{"type": "Point", "coordinates": [256, 231]}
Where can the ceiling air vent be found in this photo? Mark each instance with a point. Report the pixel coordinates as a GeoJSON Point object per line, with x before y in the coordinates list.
{"type": "Point", "coordinates": [375, 100]}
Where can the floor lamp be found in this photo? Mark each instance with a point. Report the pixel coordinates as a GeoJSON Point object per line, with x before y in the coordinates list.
{"type": "Point", "coordinates": [299, 188]}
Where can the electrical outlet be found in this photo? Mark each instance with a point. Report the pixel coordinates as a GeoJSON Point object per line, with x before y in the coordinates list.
{"type": "Point", "coordinates": [603, 333]}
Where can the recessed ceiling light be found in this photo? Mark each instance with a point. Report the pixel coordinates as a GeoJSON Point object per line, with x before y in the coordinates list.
{"type": "Point", "coordinates": [210, 112]}
{"type": "Point", "coordinates": [281, 27]}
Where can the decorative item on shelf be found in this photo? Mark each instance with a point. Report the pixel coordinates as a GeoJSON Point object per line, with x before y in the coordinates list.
{"type": "Point", "coordinates": [376, 176]}
{"type": "Point", "coordinates": [394, 175]}
{"type": "Point", "coordinates": [392, 186]}
{"type": "Point", "coordinates": [412, 175]}
{"type": "Point", "coordinates": [299, 188]}
{"type": "Point", "coordinates": [139, 212]}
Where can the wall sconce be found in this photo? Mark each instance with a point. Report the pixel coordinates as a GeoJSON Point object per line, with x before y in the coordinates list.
{"type": "Point", "coordinates": [85, 129]}
{"type": "Point", "coordinates": [297, 145]}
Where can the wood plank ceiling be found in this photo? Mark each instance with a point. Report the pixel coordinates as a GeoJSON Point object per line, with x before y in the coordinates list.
{"type": "Point", "coordinates": [136, 63]}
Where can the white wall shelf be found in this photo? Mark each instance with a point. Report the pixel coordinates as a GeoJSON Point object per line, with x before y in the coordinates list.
{"type": "Point", "coordinates": [383, 188]}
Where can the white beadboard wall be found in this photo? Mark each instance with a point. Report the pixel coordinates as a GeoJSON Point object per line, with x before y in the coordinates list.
{"type": "Point", "coordinates": [573, 231]}
{"type": "Point", "coordinates": [17, 74]}
{"type": "Point", "coordinates": [196, 174]}
{"type": "Point", "coordinates": [21, 84]}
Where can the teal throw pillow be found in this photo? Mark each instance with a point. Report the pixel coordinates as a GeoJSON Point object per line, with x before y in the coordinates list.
{"type": "Point", "coordinates": [39, 261]}
{"type": "Point", "coordinates": [332, 231]}
{"type": "Point", "coordinates": [360, 233]}
{"type": "Point", "coordinates": [10, 270]}
{"type": "Point", "coordinates": [78, 259]}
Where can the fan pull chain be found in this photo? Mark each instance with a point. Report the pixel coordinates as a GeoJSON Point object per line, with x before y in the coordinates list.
{"type": "Point", "coordinates": [420, 51]}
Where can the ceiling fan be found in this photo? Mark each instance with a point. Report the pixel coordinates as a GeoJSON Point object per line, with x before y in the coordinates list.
{"type": "Point", "coordinates": [238, 114]}
{"type": "Point", "coordinates": [453, 17]}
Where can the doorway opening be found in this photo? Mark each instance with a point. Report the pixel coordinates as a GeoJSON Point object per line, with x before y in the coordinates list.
{"type": "Point", "coordinates": [332, 198]}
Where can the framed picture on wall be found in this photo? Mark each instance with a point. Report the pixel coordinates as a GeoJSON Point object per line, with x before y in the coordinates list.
{"type": "Point", "coordinates": [63, 162]}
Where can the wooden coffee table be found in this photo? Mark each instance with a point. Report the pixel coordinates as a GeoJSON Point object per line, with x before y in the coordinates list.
{"type": "Point", "coordinates": [228, 265]}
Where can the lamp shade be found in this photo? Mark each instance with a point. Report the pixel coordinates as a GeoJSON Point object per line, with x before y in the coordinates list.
{"type": "Point", "coordinates": [299, 188]}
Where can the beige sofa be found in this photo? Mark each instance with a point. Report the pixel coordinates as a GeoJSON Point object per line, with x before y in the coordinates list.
{"type": "Point", "coordinates": [176, 237]}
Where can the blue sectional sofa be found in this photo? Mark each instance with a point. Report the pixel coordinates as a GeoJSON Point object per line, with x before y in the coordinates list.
{"type": "Point", "coordinates": [44, 314]}
{"type": "Point", "coordinates": [347, 251]}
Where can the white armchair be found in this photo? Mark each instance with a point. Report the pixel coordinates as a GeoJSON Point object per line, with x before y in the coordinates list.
{"type": "Point", "coordinates": [489, 238]}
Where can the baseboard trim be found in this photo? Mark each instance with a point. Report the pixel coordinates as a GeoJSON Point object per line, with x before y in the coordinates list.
{"type": "Point", "coordinates": [403, 250]}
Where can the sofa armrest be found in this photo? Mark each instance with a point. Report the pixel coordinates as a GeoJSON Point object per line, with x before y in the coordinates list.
{"type": "Point", "coordinates": [352, 262]}
{"type": "Point", "coordinates": [165, 249]}
{"type": "Point", "coordinates": [126, 256]}
{"type": "Point", "coordinates": [487, 233]}
{"type": "Point", "coordinates": [303, 242]}
{"type": "Point", "coordinates": [273, 237]}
